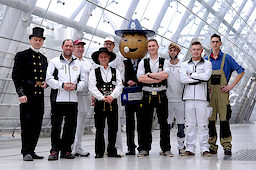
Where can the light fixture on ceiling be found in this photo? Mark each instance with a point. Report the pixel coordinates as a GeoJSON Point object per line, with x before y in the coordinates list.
{"type": "Point", "coordinates": [59, 1]}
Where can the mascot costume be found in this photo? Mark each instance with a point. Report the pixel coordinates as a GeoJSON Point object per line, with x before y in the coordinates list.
{"type": "Point", "coordinates": [133, 46]}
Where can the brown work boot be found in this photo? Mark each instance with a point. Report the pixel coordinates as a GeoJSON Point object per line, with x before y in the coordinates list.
{"type": "Point", "coordinates": [206, 154]}
{"type": "Point", "coordinates": [188, 153]}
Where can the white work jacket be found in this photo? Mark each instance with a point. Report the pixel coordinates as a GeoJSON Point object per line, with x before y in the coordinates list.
{"type": "Point", "coordinates": [196, 84]}
{"type": "Point", "coordinates": [60, 71]}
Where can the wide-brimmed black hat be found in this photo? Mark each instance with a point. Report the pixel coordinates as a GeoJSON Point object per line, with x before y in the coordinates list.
{"type": "Point", "coordinates": [135, 27]}
{"type": "Point", "coordinates": [37, 32]}
{"type": "Point", "coordinates": [102, 50]}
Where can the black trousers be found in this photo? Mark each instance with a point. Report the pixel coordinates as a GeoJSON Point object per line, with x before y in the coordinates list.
{"type": "Point", "coordinates": [31, 117]}
{"type": "Point", "coordinates": [130, 111]}
{"type": "Point", "coordinates": [68, 112]}
{"type": "Point", "coordinates": [149, 102]}
{"type": "Point", "coordinates": [105, 111]}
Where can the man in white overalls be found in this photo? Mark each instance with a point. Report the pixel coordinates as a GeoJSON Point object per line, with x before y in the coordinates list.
{"type": "Point", "coordinates": [176, 107]}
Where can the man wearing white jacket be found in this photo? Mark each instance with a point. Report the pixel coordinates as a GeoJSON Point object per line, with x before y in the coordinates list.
{"type": "Point", "coordinates": [195, 74]}
{"type": "Point", "coordinates": [176, 107]}
{"type": "Point", "coordinates": [65, 75]}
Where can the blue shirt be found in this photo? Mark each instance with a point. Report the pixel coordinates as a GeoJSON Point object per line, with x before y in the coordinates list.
{"type": "Point", "coordinates": [229, 66]}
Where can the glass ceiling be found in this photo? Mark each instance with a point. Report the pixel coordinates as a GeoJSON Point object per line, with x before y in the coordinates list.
{"type": "Point", "coordinates": [173, 20]}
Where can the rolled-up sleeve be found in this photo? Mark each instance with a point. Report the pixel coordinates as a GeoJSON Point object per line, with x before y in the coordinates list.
{"type": "Point", "coordinates": [235, 66]}
{"type": "Point", "coordinates": [141, 70]}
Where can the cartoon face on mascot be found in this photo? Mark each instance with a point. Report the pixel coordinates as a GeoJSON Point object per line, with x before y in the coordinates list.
{"type": "Point", "coordinates": [134, 40]}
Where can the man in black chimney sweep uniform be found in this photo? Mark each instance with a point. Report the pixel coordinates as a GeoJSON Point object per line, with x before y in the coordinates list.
{"type": "Point", "coordinates": [28, 75]}
{"type": "Point", "coordinates": [105, 85]}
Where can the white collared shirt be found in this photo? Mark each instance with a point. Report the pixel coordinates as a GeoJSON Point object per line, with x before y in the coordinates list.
{"type": "Point", "coordinates": [36, 50]}
{"type": "Point", "coordinates": [153, 66]}
{"type": "Point", "coordinates": [106, 75]}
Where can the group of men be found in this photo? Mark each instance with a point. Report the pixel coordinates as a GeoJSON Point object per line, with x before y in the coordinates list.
{"type": "Point", "coordinates": [192, 92]}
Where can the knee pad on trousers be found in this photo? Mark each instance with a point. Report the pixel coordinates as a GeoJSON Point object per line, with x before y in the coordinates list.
{"type": "Point", "coordinates": [212, 129]}
{"type": "Point", "coordinates": [229, 112]}
{"type": "Point", "coordinates": [224, 129]}
{"type": "Point", "coordinates": [181, 128]}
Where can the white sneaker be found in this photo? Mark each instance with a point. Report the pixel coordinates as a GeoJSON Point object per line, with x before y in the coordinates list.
{"type": "Point", "coordinates": [81, 152]}
{"type": "Point", "coordinates": [120, 153]}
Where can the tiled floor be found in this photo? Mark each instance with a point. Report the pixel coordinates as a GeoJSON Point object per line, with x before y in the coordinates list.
{"type": "Point", "coordinates": [244, 139]}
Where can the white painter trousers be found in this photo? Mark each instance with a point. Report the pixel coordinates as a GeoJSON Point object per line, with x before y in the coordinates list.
{"type": "Point", "coordinates": [197, 113]}
{"type": "Point", "coordinates": [84, 104]}
{"type": "Point", "coordinates": [177, 110]}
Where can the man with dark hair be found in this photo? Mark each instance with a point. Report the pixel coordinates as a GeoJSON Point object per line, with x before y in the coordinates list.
{"type": "Point", "coordinates": [194, 74]}
{"type": "Point", "coordinates": [223, 66]}
{"type": "Point", "coordinates": [105, 85]}
{"type": "Point", "coordinates": [65, 75]}
{"type": "Point", "coordinates": [153, 72]}
{"type": "Point", "coordinates": [176, 107]}
{"type": "Point", "coordinates": [28, 75]}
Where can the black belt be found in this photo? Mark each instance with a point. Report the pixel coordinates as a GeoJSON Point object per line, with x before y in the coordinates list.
{"type": "Point", "coordinates": [151, 93]}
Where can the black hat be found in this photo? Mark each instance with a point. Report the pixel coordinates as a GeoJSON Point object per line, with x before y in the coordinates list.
{"type": "Point", "coordinates": [102, 50]}
{"type": "Point", "coordinates": [37, 32]}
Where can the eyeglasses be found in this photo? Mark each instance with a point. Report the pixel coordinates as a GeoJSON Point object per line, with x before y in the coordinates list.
{"type": "Point", "coordinates": [213, 42]}
{"type": "Point", "coordinates": [109, 44]}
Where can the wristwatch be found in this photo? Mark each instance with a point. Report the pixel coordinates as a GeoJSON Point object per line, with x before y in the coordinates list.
{"type": "Point", "coordinates": [148, 74]}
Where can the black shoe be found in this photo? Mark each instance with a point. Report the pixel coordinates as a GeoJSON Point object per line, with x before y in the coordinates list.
{"type": "Point", "coordinates": [67, 155]}
{"type": "Point", "coordinates": [27, 157]}
{"type": "Point", "coordinates": [98, 156]}
{"type": "Point", "coordinates": [227, 152]}
{"type": "Point", "coordinates": [131, 152]}
{"type": "Point", "coordinates": [213, 152]}
{"type": "Point", "coordinates": [53, 156]}
{"type": "Point", "coordinates": [114, 155]}
{"type": "Point", "coordinates": [35, 156]}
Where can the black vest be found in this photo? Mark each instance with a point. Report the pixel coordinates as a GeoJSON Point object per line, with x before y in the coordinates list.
{"type": "Point", "coordinates": [148, 70]}
{"type": "Point", "coordinates": [130, 73]}
{"type": "Point", "coordinates": [103, 87]}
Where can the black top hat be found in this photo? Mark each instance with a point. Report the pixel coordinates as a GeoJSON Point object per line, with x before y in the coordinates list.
{"type": "Point", "coordinates": [135, 27]}
{"type": "Point", "coordinates": [102, 50]}
{"type": "Point", "coordinates": [37, 32]}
